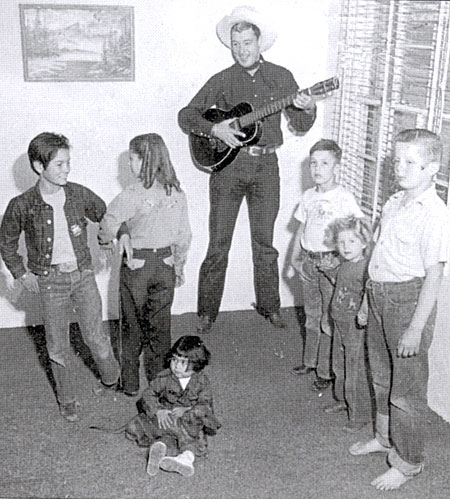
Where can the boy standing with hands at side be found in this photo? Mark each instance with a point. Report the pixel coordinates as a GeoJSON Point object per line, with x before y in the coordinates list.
{"type": "Point", "coordinates": [320, 206]}
{"type": "Point", "coordinates": [405, 271]}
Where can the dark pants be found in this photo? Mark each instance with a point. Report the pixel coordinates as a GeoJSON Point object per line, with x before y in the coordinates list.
{"type": "Point", "coordinates": [146, 296]}
{"type": "Point", "coordinates": [179, 437]}
{"type": "Point", "coordinates": [400, 383]}
{"type": "Point", "coordinates": [351, 371]}
{"type": "Point", "coordinates": [317, 295]}
{"type": "Point", "coordinates": [256, 179]}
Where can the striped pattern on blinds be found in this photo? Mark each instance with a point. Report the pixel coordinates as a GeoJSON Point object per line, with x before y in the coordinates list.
{"type": "Point", "coordinates": [393, 66]}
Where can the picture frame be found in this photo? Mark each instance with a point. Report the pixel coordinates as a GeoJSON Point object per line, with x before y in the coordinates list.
{"type": "Point", "coordinates": [77, 42]}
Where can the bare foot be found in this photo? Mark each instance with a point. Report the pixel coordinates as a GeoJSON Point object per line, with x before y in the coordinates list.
{"type": "Point", "coordinates": [364, 448]}
{"type": "Point", "coordinates": [391, 480]}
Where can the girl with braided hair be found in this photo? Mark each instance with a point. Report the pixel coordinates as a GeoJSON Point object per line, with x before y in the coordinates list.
{"type": "Point", "coordinates": [156, 241]}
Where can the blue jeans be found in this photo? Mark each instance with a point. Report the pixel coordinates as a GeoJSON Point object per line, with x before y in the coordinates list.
{"type": "Point", "coordinates": [146, 296]}
{"type": "Point", "coordinates": [400, 384]}
{"type": "Point", "coordinates": [317, 294]}
{"type": "Point", "coordinates": [351, 371]}
{"type": "Point", "coordinates": [61, 293]}
{"type": "Point", "coordinates": [256, 179]}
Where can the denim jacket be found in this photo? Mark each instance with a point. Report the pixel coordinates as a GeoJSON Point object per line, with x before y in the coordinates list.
{"type": "Point", "coordinates": [29, 213]}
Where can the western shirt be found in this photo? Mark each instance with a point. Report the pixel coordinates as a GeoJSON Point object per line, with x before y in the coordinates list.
{"type": "Point", "coordinates": [153, 218]}
{"type": "Point", "coordinates": [234, 85]}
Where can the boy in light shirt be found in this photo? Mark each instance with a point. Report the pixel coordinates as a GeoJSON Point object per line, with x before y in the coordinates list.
{"type": "Point", "coordinates": [320, 206]}
{"type": "Point", "coordinates": [405, 271]}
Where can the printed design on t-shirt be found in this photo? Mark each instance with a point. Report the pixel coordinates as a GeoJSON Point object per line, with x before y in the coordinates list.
{"type": "Point", "coordinates": [345, 297]}
{"type": "Point", "coordinates": [320, 211]}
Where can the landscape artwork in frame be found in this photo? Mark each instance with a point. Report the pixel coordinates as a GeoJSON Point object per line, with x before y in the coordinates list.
{"type": "Point", "coordinates": [77, 42]}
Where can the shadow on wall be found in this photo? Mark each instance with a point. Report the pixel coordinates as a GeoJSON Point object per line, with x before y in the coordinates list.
{"type": "Point", "coordinates": [24, 178]}
{"type": "Point", "coordinates": [125, 176]}
{"type": "Point", "coordinates": [294, 283]}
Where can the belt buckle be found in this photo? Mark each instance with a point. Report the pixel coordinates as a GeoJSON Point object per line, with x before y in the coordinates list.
{"type": "Point", "coordinates": [67, 267]}
{"type": "Point", "coordinates": [252, 150]}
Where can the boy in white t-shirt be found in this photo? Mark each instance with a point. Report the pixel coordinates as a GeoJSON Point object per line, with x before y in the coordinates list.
{"type": "Point", "coordinates": [320, 206]}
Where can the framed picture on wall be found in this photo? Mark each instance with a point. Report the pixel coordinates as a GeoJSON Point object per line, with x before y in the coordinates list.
{"type": "Point", "coordinates": [77, 42]}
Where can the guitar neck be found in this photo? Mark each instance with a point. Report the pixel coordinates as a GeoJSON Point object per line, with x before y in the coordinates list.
{"type": "Point", "coordinates": [268, 109]}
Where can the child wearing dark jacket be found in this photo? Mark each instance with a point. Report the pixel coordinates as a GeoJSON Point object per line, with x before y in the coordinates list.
{"type": "Point", "coordinates": [176, 410]}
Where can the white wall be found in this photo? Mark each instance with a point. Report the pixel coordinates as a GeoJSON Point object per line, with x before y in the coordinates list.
{"type": "Point", "coordinates": [176, 50]}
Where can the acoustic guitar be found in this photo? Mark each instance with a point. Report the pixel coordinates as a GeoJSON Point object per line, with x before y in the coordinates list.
{"type": "Point", "coordinates": [212, 155]}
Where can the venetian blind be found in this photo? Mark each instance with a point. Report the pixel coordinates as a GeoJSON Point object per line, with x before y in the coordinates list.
{"type": "Point", "coordinates": [393, 65]}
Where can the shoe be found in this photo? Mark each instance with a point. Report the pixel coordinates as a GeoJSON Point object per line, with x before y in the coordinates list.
{"type": "Point", "coordinates": [182, 464]}
{"type": "Point", "coordinates": [204, 325]}
{"type": "Point", "coordinates": [353, 426]}
{"type": "Point", "coordinates": [69, 411]}
{"type": "Point", "coordinates": [335, 408]}
{"type": "Point", "coordinates": [276, 320]}
{"type": "Point", "coordinates": [320, 384]}
{"type": "Point", "coordinates": [101, 389]}
{"type": "Point", "coordinates": [302, 370]}
{"type": "Point", "coordinates": [157, 452]}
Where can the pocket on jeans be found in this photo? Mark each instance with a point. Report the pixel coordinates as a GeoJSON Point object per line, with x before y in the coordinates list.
{"type": "Point", "coordinates": [402, 296]}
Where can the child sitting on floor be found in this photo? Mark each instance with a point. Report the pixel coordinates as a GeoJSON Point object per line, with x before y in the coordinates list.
{"type": "Point", "coordinates": [176, 411]}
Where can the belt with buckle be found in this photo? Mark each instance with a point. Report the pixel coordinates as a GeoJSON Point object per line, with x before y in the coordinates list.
{"type": "Point", "coordinates": [142, 252]}
{"type": "Point", "coordinates": [316, 255]}
{"type": "Point", "coordinates": [258, 151]}
{"type": "Point", "coordinates": [65, 267]}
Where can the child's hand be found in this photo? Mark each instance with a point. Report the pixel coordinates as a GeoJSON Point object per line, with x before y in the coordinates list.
{"type": "Point", "coordinates": [409, 343]}
{"type": "Point", "coordinates": [290, 272]}
{"type": "Point", "coordinates": [298, 266]}
{"type": "Point", "coordinates": [361, 318]}
{"type": "Point", "coordinates": [29, 282]}
{"type": "Point", "coordinates": [126, 246]}
{"type": "Point", "coordinates": [177, 412]}
{"type": "Point", "coordinates": [165, 419]}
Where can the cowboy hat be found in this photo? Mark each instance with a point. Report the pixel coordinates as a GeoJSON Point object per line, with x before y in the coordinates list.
{"type": "Point", "coordinates": [251, 15]}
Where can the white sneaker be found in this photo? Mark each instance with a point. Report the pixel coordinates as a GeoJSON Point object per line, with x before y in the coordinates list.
{"type": "Point", "coordinates": [182, 464]}
{"type": "Point", "coordinates": [157, 452]}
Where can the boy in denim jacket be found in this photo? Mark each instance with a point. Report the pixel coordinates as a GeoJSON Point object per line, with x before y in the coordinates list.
{"type": "Point", "coordinates": [405, 271]}
{"type": "Point", "coordinates": [54, 216]}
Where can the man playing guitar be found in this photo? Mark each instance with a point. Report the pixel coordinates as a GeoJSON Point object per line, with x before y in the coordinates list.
{"type": "Point", "coordinates": [254, 172]}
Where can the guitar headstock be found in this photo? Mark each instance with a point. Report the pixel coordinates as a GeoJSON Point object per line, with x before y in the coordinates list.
{"type": "Point", "coordinates": [324, 88]}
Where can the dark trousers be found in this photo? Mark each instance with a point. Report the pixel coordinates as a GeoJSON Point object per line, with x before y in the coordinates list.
{"type": "Point", "coordinates": [351, 370]}
{"type": "Point", "coordinates": [256, 179]}
{"type": "Point", "coordinates": [146, 296]}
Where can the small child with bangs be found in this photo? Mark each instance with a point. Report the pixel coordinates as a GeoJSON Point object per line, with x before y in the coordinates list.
{"type": "Point", "coordinates": [351, 237]}
{"type": "Point", "coordinates": [176, 410]}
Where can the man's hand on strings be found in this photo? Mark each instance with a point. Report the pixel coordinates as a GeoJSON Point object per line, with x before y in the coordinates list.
{"type": "Point", "coordinates": [227, 134]}
{"type": "Point", "coordinates": [304, 101]}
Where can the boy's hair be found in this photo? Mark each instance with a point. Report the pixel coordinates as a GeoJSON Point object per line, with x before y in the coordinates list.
{"type": "Point", "coordinates": [429, 139]}
{"type": "Point", "coordinates": [327, 145]}
{"type": "Point", "coordinates": [44, 147]}
{"type": "Point", "coordinates": [191, 347]}
{"type": "Point", "coordinates": [155, 161]}
{"type": "Point", "coordinates": [243, 25]}
{"type": "Point", "coordinates": [362, 227]}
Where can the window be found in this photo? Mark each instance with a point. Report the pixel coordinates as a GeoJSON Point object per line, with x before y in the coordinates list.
{"type": "Point", "coordinates": [393, 63]}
